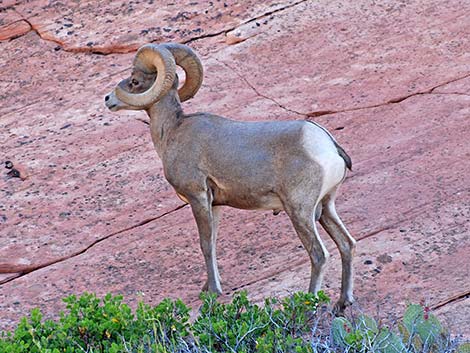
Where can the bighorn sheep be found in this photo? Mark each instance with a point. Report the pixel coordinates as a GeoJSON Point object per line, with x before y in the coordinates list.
{"type": "Point", "coordinates": [211, 161]}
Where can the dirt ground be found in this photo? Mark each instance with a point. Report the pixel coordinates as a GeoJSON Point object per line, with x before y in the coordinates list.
{"type": "Point", "coordinates": [93, 212]}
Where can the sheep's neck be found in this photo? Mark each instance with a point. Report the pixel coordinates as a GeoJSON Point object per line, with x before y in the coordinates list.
{"type": "Point", "coordinates": [164, 116]}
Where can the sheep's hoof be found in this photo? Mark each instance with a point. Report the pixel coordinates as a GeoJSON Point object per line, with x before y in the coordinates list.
{"type": "Point", "coordinates": [215, 289]}
{"type": "Point", "coordinates": [341, 305]}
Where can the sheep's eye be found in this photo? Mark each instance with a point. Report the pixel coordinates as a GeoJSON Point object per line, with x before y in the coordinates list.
{"type": "Point", "coordinates": [134, 82]}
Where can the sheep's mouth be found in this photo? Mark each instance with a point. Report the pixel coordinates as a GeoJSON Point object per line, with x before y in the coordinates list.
{"type": "Point", "coordinates": [112, 107]}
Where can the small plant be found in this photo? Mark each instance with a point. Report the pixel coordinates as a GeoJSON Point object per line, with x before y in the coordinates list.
{"type": "Point", "coordinates": [419, 331]}
{"type": "Point", "coordinates": [420, 327]}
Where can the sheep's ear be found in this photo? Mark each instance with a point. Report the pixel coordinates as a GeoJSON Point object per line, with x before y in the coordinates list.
{"type": "Point", "coordinates": [176, 82]}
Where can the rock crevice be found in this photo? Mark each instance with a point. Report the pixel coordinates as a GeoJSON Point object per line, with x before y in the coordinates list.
{"type": "Point", "coordinates": [21, 270]}
{"type": "Point", "coordinates": [318, 113]}
{"type": "Point", "coordinates": [455, 298]}
{"type": "Point", "coordinates": [391, 101]}
{"type": "Point", "coordinates": [9, 34]}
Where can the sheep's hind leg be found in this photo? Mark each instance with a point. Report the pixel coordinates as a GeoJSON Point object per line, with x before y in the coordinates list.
{"type": "Point", "coordinates": [207, 219]}
{"type": "Point", "coordinates": [346, 244]}
{"type": "Point", "coordinates": [306, 229]}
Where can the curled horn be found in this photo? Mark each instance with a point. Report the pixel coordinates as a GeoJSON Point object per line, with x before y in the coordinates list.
{"type": "Point", "coordinates": [151, 58]}
{"type": "Point", "coordinates": [187, 59]}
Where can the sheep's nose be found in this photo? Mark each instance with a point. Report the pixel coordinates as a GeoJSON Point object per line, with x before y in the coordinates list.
{"type": "Point", "coordinates": [106, 98]}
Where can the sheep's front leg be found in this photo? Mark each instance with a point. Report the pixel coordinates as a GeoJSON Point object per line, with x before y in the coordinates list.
{"type": "Point", "coordinates": [207, 219]}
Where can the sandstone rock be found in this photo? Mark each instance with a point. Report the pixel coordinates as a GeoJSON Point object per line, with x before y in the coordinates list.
{"type": "Point", "coordinates": [460, 86]}
{"type": "Point", "coordinates": [454, 315]}
{"type": "Point", "coordinates": [328, 56]}
{"type": "Point", "coordinates": [121, 27]}
{"type": "Point", "coordinates": [247, 31]}
{"type": "Point", "coordinates": [14, 30]}
{"type": "Point", "coordinates": [16, 171]}
{"type": "Point", "coordinates": [232, 39]}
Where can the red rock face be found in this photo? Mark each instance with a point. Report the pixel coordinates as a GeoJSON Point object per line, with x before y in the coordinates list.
{"type": "Point", "coordinates": [94, 212]}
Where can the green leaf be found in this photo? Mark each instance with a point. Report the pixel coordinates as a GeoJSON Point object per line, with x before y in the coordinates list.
{"type": "Point", "coordinates": [422, 323]}
{"type": "Point", "coordinates": [464, 348]}
{"type": "Point", "coordinates": [388, 342]}
{"type": "Point", "coordinates": [367, 325]}
{"type": "Point", "coordinates": [340, 329]}
{"type": "Point", "coordinates": [412, 315]}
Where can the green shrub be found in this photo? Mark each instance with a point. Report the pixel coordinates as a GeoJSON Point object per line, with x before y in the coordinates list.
{"type": "Point", "coordinates": [107, 325]}
{"type": "Point", "coordinates": [245, 327]}
{"type": "Point", "coordinates": [292, 324]}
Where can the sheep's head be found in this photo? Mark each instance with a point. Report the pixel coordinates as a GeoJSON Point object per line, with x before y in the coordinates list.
{"type": "Point", "coordinates": [154, 74]}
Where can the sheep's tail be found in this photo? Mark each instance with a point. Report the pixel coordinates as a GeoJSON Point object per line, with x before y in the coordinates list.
{"type": "Point", "coordinates": [340, 149]}
{"type": "Point", "coordinates": [344, 155]}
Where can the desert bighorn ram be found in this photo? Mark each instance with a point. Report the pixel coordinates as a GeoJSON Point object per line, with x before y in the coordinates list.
{"type": "Point", "coordinates": [295, 166]}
